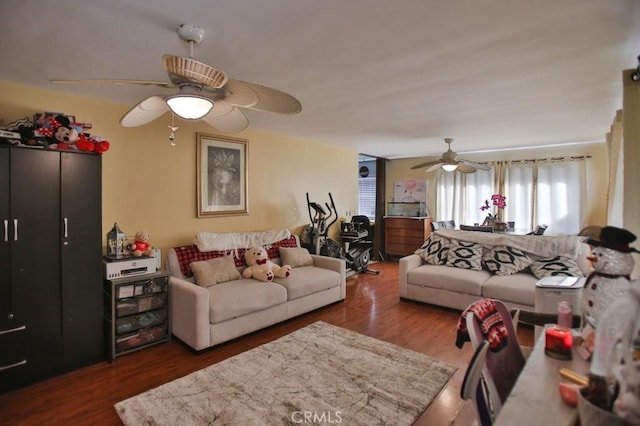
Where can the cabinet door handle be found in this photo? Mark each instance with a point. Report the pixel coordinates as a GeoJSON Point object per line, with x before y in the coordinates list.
{"type": "Point", "coordinates": [15, 229]}
{"type": "Point", "coordinates": [66, 234]}
{"type": "Point", "coordinates": [6, 230]}
{"type": "Point", "coordinates": [17, 364]}
{"type": "Point", "coordinates": [13, 330]}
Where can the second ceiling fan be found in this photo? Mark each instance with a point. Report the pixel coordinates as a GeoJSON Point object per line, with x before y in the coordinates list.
{"type": "Point", "coordinates": [450, 162]}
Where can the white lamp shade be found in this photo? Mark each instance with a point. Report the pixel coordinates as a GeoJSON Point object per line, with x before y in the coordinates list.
{"type": "Point", "coordinates": [190, 107]}
{"type": "Point", "coordinates": [449, 167]}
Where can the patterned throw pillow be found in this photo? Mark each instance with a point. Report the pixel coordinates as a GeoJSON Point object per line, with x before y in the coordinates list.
{"type": "Point", "coordinates": [215, 271]}
{"type": "Point", "coordinates": [434, 250]}
{"type": "Point", "coordinates": [505, 260]}
{"type": "Point", "coordinates": [465, 255]}
{"type": "Point", "coordinates": [556, 266]}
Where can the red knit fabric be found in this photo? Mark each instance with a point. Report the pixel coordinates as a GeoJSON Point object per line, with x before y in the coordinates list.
{"type": "Point", "coordinates": [491, 324]}
{"type": "Point", "coordinates": [190, 253]}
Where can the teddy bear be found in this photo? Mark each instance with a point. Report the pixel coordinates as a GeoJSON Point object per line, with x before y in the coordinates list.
{"type": "Point", "coordinates": [261, 268]}
{"type": "Point", "coordinates": [140, 247]}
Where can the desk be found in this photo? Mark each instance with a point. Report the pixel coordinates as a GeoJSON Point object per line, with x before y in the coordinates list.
{"type": "Point", "coordinates": [535, 400]}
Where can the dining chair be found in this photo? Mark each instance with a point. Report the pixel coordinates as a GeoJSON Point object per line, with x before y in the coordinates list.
{"type": "Point", "coordinates": [504, 365]}
{"type": "Point", "coordinates": [449, 224]}
{"type": "Point", "coordinates": [480, 388]}
{"type": "Point", "coordinates": [540, 229]}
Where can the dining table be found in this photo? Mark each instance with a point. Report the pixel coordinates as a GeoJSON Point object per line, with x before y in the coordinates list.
{"type": "Point", "coordinates": [535, 398]}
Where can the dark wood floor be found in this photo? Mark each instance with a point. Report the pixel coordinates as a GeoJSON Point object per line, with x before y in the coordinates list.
{"type": "Point", "coordinates": [372, 307]}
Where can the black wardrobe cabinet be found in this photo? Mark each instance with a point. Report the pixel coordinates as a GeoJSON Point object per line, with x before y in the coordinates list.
{"type": "Point", "coordinates": [50, 263]}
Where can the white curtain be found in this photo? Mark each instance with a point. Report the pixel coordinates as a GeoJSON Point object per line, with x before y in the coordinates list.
{"type": "Point", "coordinates": [460, 195]}
{"type": "Point", "coordinates": [519, 192]}
{"type": "Point", "coordinates": [538, 193]}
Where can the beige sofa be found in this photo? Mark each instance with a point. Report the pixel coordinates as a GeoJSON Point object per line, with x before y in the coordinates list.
{"type": "Point", "coordinates": [206, 316]}
{"type": "Point", "coordinates": [451, 284]}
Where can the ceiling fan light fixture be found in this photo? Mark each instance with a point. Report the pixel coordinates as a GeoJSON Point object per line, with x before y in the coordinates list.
{"type": "Point", "coordinates": [449, 167]}
{"type": "Point", "coordinates": [191, 107]}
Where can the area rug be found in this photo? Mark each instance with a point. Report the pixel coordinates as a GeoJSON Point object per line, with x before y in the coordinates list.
{"type": "Point", "coordinates": [319, 374]}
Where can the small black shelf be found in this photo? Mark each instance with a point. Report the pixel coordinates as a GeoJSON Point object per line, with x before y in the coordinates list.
{"type": "Point", "coordinates": [136, 312]}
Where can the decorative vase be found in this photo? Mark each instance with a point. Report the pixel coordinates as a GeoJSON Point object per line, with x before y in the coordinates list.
{"type": "Point", "coordinates": [499, 226]}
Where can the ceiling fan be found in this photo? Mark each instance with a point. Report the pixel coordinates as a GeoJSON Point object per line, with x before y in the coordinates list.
{"type": "Point", "coordinates": [203, 92]}
{"type": "Point", "coordinates": [449, 162]}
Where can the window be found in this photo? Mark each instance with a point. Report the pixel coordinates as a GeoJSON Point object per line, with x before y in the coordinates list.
{"type": "Point", "coordinates": [367, 189]}
{"type": "Point", "coordinates": [540, 192]}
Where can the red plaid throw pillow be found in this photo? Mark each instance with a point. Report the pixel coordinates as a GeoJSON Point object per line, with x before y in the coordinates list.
{"type": "Point", "coordinates": [190, 253]}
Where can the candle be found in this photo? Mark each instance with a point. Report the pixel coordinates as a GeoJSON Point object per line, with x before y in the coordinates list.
{"type": "Point", "coordinates": [558, 341]}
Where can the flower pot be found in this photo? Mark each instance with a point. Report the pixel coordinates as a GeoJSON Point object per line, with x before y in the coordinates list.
{"type": "Point", "coordinates": [499, 226]}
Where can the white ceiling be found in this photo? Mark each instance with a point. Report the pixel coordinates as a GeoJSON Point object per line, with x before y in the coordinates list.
{"type": "Point", "coordinates": [387, 78]}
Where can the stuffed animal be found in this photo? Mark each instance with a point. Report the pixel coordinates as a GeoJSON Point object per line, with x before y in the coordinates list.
{"type": "Point", "coordinates": [140, 247]}
{"type": "Point", "coordinates": [261, 268]}
{"type": "Point", "coordinates": [63, 135]}
{"type": "Point", "coordinates": [59, 133]}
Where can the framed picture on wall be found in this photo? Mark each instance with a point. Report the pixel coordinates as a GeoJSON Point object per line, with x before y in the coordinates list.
{"type": "Point", "coordinates": [222, 175]}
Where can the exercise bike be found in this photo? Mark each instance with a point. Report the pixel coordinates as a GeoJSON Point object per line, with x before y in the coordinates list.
{"type": "Point", "coordinates": [356, 250]}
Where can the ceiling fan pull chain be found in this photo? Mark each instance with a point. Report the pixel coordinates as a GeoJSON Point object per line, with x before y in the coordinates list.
{"type": "Point", "coordinates": [173, 128]}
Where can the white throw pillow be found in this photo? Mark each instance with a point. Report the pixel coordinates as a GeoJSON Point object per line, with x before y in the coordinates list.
{"type": "Point", "coordinates": [214, 271]}
{"type": "Point", "coordinates": [295, 256]}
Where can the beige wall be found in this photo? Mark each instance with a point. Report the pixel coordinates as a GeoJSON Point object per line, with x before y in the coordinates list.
{"type": "Point", "coordinates": [597, 173]}
{"type": "Point", "coordinates": [149, 185]}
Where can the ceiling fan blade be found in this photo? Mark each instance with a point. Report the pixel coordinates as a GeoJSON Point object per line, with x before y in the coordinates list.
{"type": "Point", "coordinates": [123, 82]}
{"type": "Point", "coordinates": [145, 111]}
{"type": "Point", "coordinates": [241, 95]}
{"type": "Point", "coordinates": [226, 118]}
{"type": "Point", "coordinates": [433, 167]}
{"type": "Point", "coordinates": [475, 165]}
{"type": "Point", "coordinates": [427, 164]}
{"type": "Point", "coordinates": [465, 168]}
{"type": "Point", "coordinates": [268, 99]}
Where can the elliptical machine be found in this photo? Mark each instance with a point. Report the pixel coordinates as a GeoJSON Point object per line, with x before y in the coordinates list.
{"type": "Point", "coordinates": [316, 237]}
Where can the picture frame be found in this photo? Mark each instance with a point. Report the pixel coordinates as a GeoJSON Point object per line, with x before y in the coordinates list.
{"type": "Point", "coordinates": [222, 175]}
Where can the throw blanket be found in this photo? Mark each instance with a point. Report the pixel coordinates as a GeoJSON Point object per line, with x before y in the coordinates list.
{"type": "Point", "coordinates": [538, 245]}
{"type": "Point", "coordinates": [209, 241]}
{"type": "Point", "coordinates": [491, 324]}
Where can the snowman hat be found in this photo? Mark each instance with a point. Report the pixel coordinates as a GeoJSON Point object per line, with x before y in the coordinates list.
{"type": "Point", "coordinates": [614, 238]}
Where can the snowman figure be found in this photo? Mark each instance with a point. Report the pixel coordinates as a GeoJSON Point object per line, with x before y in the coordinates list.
{"type": "Point", "coordinates": [612, 263]}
